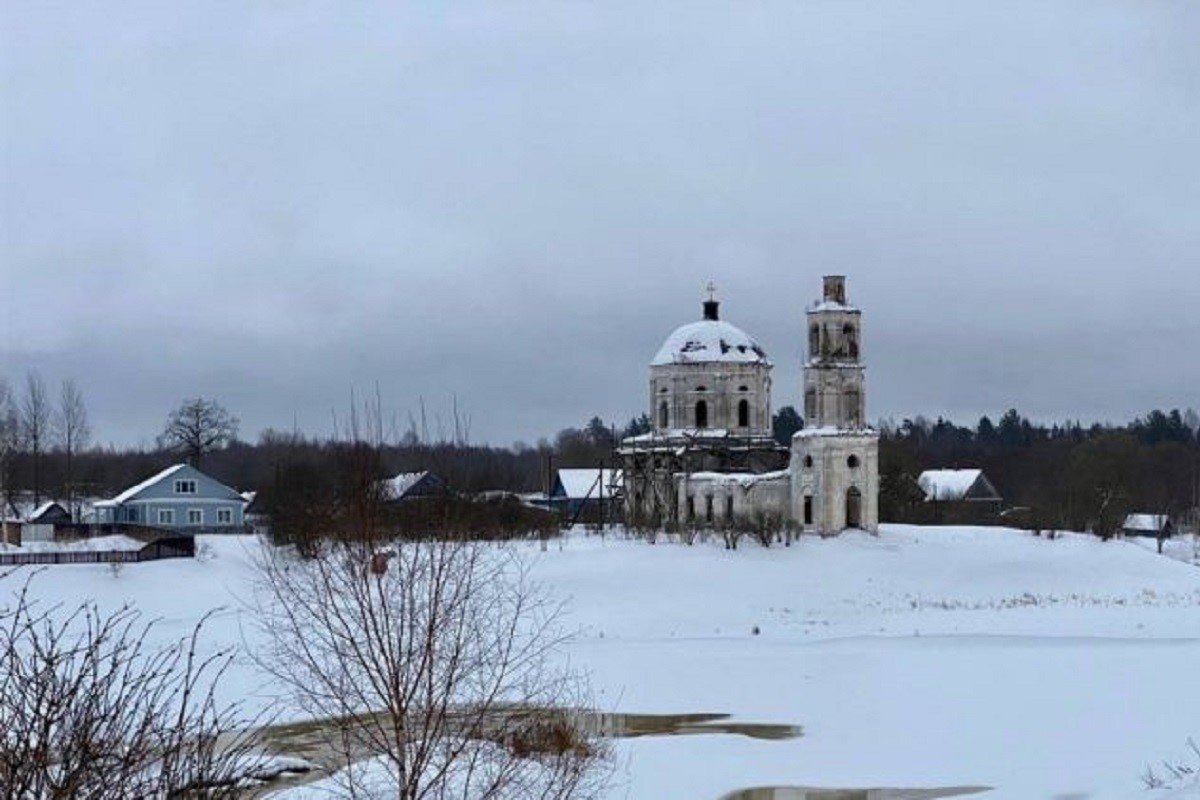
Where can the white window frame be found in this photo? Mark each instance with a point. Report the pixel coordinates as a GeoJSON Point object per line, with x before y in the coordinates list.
{"type": "Point", "coordinates": [165, 516]}
{"type": "Point", "coordinates": [195, 516]}
{"type": "Point", "coordinates": [185, 486]}
{"type": "Point", "coordinates": [224, 516]}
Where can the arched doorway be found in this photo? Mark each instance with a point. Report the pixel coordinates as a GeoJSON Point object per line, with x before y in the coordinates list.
{"type": "Point", "coordinates": [701, 414]}
{"type": "Point", "coordinates": [743, 413]}
{"type": "Point", "coordinates": [664, 418]}
{"type": "Point", "coordinates": [853, 508]}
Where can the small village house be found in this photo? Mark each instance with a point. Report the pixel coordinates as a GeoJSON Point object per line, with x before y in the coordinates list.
{"type": "Point", "coordinates": [180, 498]}
{"type": "Point", "coordinates": [959, 496]}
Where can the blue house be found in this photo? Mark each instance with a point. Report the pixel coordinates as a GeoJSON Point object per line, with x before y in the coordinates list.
{"type": "Point", "coordinates": [179, 498]}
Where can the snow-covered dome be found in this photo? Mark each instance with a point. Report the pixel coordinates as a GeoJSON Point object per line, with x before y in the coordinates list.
{"type": "Point", "coordinates": [709, 340]}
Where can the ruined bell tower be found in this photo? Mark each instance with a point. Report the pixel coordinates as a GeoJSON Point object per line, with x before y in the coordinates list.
{"type": "Point", "coordinates": [835, 458]}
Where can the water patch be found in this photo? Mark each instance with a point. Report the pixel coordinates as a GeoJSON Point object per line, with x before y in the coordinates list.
{"type": "Point", "coordinates": [815, 793]}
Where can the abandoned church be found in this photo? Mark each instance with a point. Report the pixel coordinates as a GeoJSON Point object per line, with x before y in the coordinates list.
{"type": "Point", "coordinates": [710, 459]}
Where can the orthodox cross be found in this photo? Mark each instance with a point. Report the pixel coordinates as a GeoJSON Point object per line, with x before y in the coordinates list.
{"type": "Point", "coordinates": [712, 290]}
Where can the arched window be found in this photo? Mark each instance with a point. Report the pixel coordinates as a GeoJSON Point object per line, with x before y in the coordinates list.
{"type": "Point", "coordinates": [850, 335]}
{"type": "Point", "coordinates": [810, 407]}
{"type": "Point", "coordinates": [852, 462]}
{"type": "Point", "coordinates": [701, 414]}
{"type": "Point", "coordinates": [853, 508]}
{"type": "Point", "coordinates": [664, 417]}
{"type": "Point", "coordinates": [853, 407]}
{"type": "Point", "coordinates": [808, 462]}
{"type": "Point", "coordinates": [814, 341]}
{"type": "Point", "coordinates": [743, 413]}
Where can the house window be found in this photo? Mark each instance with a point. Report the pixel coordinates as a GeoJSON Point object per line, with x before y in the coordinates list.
{"type": "Point", "coordinates": [185, 487]}
{"type": "Point", "coordinates": [195, 516]}
{"type": "Point", "coordinates": [224, 516]}
{"type": "Point", "coordinates": [701, 414]}
{"type": "Point", "coordinates": [664, 418]}
{"type": "Point", "coordinates": [131, 514]}
{"type": "Point", "coordinates": [808, 514]}
{"type": "Point", "coordinates": [743, 413]}
{"type": "Point", "coordinates": [166, 516]}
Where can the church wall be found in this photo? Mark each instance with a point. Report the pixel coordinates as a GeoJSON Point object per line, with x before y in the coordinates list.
{"type": "Point", "coordinates": [820, 470]}
{"type": "Point", "coordinates": [678, 385]}
{"type": "Point", "coordinates": [748, 496]}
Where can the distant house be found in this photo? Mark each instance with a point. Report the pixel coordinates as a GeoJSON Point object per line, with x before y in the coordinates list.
{"type": "Point", "coordinates": [34, 525]}
{"type": "Point", "coordinates": [587, 493]}
{"type": "Point", "coordinates": [180, 498]}
{"type": "Point", "coordinates": [410, 485]}
{"type": "Point", "coordinates": [1156, 525]}
{"type": "Point", "coordinates": [960, 495]}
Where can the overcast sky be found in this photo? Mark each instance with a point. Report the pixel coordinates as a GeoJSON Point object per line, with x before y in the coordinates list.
{"type": "Point", "coordinates": [274, 203]}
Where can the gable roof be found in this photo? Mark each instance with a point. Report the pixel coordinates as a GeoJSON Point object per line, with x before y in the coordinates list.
{"type": "Point", "coordinates": [133, 491]}
{"type": "Point", "coordinates": [1146, 522]}
{"type": "Point", "coordinates": [46, 509]}
{"type": "Point", "coordinates": [406, 482]}
{"type": "Point", "coordinates": [578, 484]}
{"type": "Point", "coordinates": [949, 485]}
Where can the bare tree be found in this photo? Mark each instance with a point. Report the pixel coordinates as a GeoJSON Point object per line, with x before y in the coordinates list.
{"type": "Point", "coordinates": [92, 710]}
{"type": "Point", "coordinates": [431, 667]}
{"type": "Point", "coordinates": [35, 426]}
{"type": "Point", "coordinates": [198, 426]}
{"type": "Point", "coordinates": [73, 432]}
{"type": "Point", "coordinates": [10, 444]}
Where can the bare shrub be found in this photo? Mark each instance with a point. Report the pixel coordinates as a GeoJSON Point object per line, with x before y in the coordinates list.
{"type": "Point", "coordinates": [435, 663]}
{"type": "Point", "coordinates": [92, 710]}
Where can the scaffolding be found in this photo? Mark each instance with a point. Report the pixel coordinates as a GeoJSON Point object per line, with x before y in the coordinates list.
{"type": "Point", "coordinates": [653, 462]}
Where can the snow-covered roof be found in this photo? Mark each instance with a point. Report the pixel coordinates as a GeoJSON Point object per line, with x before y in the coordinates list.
{"type": "Point", "coordinates": [832, 430]}
{"type": "Point", "coordinates": [580, 483]}
{"type": "Point", "coordinates": [947, 484]}
{"type": "Point", "coordinates": [41, 510]}
{"type": "Point", "coordinates": [742, 479]}
{"type": "Point", "coordinates": [1145, 522]}
{"type": "Point", "coordinates": [132, 491]}
{"type": "Point", "coordinates": [832, 305]}
{"type": "Point", "coordinates": [707, 341]}
{"type": "Point", "coordinates": [398, 486]}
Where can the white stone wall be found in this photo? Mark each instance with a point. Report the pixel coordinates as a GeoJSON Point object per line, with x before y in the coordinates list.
{"type": "Point", "coordinates": [821, 470]}
{"type": "Point", "coordinates": [746, 495]}
{"type": "Point", "coordinates": [679, 386]}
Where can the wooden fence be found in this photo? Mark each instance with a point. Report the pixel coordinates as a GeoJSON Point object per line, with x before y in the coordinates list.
{"type": "Point", "coordinates": [166, 547]}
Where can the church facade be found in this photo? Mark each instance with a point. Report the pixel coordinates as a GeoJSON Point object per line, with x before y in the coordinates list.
{"type": "Point", "coordinates": [710, 459]}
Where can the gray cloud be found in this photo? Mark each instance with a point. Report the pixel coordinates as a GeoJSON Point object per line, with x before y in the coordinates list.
{"type": "Point", "coordinates": [272, 204]}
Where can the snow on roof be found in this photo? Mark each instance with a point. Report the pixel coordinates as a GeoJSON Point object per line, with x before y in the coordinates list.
{"type": "Point", "coordinates": [947, 484]}
{"type": "Point", "coordinates": [580, 483]}
{"type": "Point", "coordinates": [129, 493]}
{"type": "Point", "coordinates": [743, 479]}
{"type": "Point", "coordinates": [42, 509]}
{"type": "Point", "coordinates": [400, 485]}
{"type": "Point", "coordinates": [1145, 522]}
{"type": "Point", "coordinates": [832, 430]}
{"type": "Point", "coordinates": [709, 340]}
{"type": "Point", "coordinates": [832, 305]}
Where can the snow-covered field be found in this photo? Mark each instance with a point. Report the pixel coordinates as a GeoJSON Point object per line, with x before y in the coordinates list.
{"type": "Point", "coordinates": [921, 658]}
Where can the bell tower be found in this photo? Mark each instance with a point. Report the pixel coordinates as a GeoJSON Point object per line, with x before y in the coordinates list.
{"type": "Point", "coordinates": [835, 458]}
{"type": "Point", "coordinates": [834, 395]}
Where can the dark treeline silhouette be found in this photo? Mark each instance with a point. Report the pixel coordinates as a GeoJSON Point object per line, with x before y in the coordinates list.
{"type": "Point", "coordinates": [1063, 476]}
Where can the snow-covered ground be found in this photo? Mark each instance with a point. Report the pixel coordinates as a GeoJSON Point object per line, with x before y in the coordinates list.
{"type": "Point", "coordinates": [921, 658]}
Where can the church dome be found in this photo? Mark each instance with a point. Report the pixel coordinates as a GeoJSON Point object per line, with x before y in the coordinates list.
{"type": "Point", "coordinates": [707, 341]}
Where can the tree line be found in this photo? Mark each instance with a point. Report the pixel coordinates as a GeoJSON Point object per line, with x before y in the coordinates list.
{"type": "Point", "coordinates": [1064, 475]}
{"type": "Point", "coordinates": [1060, 476]}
